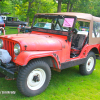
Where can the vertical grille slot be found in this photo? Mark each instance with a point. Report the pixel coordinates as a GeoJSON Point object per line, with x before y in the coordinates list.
{"type": "Point", "coordinates": [9, 46]}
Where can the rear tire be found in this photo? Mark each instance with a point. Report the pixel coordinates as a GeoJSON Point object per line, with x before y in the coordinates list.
{"type": "Point", "coordinates": [34, 78]}
{"type": "Point", "coordinates": [88, 67]}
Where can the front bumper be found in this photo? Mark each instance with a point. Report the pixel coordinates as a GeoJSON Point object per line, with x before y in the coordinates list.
{"type": "Point", "coordinates": [8, 69]}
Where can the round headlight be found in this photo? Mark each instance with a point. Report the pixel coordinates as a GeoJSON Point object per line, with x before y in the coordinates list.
{"type": "Point", "coordinates": [1, 43]}
{"type": "Point", "coordinates": [17, 49]}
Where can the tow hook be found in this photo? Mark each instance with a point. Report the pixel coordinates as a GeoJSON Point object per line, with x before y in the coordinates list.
{"type": "Point", "coordinates": [7, 78]}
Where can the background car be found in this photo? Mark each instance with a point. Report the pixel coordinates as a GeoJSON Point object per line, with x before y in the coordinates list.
{"type": "Point", "coordinates": [13, 21]}
{"type": "Point", "coordinates": [2, 25]}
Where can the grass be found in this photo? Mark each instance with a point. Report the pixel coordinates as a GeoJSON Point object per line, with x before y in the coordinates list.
{"type": "Point", "coordinates": [66, 85]}
{"type": "Point", "coordinates": [11, 30]}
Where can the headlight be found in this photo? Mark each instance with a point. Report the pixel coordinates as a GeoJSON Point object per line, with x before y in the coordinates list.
{"type": "Point", "coordinates": [1, 43]}
{"type": "Point", "coordinates": [17, 49]}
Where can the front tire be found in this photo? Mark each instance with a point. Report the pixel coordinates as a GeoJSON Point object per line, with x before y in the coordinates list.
{"type": "Point", "coordinates": [88, 67]}
{"type": "Point", "coordinates": [34, 78]}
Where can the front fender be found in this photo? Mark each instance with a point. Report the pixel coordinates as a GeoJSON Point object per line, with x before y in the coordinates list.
{"type": "Point", "coordinates": [24, 57]}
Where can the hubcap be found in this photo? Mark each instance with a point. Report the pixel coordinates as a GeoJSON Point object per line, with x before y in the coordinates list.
{"type": "Point", "coordinates": [36, 79]}
{"type": "Point", "coordinates": [90, 64]}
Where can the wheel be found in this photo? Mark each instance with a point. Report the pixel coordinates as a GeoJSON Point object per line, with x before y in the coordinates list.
{"type": "Point", "coordinates": [33, 78]}
{"type": "Point", "coordinates": [88, 67]}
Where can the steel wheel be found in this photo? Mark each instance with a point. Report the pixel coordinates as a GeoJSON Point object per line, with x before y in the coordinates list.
{"type": "Point", "coordinates": [89, 65]}
{"type": "Point", "coordinates": [36, 79]}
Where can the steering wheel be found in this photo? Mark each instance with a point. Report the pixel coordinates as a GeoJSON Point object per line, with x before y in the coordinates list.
{"type": "Point", "coordinates": [74, 31]}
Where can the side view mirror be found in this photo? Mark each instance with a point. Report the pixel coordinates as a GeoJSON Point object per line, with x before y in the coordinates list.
{"type": "Point", "coordinates": [74, 31]}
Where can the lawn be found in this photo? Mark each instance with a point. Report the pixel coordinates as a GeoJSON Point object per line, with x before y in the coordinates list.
{"type": "Point", "coordinates": [11, 30]}
{"type": "Point", "coordinates": [66, 85]}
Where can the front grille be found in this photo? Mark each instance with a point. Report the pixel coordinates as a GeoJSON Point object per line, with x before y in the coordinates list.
{"type": "Point", "coordinates": [9, 46]}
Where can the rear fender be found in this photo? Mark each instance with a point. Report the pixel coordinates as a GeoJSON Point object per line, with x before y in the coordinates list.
{"type": "Point", "coordinates": [24, 57]}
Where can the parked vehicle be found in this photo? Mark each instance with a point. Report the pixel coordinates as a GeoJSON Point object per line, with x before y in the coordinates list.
{"type": "Point", "coordinates": [2, 26]}
{"type": "Point", "coordinates": [13, 21]}
{"type": "Point", "coordinates": [34, 54]}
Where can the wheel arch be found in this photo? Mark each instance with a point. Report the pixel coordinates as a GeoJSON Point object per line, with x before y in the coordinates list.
{"type": "Point", "coordinates": [49, 57]}
{"type": "Point", "coordinates": [52, 62]}
{"type": "Point", "coordinates": [95, 50]}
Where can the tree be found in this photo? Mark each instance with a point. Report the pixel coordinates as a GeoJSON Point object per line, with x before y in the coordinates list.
{"type": "Point", "coordinates": [5, 6]}
{"type": "Point", "coordinates": [59, 6]}
{"type": "Point", "coordinates": [70, 4]}
{"type": "Point", "coordinates": [29, 7]}
{"type": "Point", "coordinates": [27, 11]}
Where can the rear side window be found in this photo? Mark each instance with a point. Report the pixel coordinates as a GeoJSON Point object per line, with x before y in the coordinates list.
{"type": "Point", "coordinates": [1, 19]}
{"type": "Point", "coordinates": [96, 29]}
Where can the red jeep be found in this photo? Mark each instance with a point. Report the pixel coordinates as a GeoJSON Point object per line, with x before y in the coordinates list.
{"type": "Point", "coordinates": [55, 41]}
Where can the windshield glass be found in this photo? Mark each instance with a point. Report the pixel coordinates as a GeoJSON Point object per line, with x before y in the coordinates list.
{"type": "Point", "coordinates": [59, 23]}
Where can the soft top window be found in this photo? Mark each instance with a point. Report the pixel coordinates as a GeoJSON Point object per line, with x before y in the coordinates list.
{"type": "Point", "coordinates": [96, 30]}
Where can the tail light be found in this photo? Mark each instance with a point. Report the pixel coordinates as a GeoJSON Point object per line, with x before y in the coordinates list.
{"type": "Point", "coordinates": [4, 24]}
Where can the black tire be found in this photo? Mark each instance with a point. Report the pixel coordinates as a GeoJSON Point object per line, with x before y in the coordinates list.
{"type": "Point", "coordinates": [27, 75]}
{"type": "Point", "coordinates": [88, 67]}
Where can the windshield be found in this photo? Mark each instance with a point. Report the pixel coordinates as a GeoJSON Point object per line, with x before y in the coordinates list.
{"type": "Point", "coordinates": [48, 22]}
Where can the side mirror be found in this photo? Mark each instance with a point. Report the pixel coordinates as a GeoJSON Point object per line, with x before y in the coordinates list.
{"type": "Point", "coordinates": [74, 31]}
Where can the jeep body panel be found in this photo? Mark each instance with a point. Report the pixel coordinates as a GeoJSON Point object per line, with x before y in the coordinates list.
{"type": "Point", "coordinates": [24, 57]}
{"type": "Point", "coordinates": [35, 42]}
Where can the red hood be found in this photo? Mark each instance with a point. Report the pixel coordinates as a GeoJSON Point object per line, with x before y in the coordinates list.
{"type": "Point", "coordinates": [36, 42]}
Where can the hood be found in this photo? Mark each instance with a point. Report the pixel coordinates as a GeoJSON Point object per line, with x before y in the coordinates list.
{"type": "Point", "coordinates": [36, 42]}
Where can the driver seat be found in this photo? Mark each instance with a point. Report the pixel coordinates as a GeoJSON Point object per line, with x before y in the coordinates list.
{"type": "Point", "coordinates": [78, 41]}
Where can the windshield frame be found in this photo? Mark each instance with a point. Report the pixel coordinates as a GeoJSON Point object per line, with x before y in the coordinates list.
{"type": "Point", "coordinates": [59, 32]}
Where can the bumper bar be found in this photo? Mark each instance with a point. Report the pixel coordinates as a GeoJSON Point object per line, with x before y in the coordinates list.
{"type": "Point", "coordinates": [7, 72]}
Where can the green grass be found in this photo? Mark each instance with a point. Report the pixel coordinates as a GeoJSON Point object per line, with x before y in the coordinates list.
{"type": "Point", "coordinates": [66, 85]}
{"type": "Point", "coordinates": [11, 30]}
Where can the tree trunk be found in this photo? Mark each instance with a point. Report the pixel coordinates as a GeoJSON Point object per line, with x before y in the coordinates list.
{"type": "Point", "coordinates": [29, 6]}
{"type": "Point", "coordinates": [71, 7]}
{"type": "Point", "coordinates": [59, 6]}
{"type": "Point", "coordinates": [68, 5]}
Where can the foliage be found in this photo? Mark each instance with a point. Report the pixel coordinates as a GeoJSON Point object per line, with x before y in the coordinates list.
{"type": "Point", "coordinates": [26, 9]}
{"type": "Point", "coordinates": [38, 6]}
{"type": "Point", "coordinates": [70, 4]}
{"type": "Point", "coordinates": [5, 6]}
